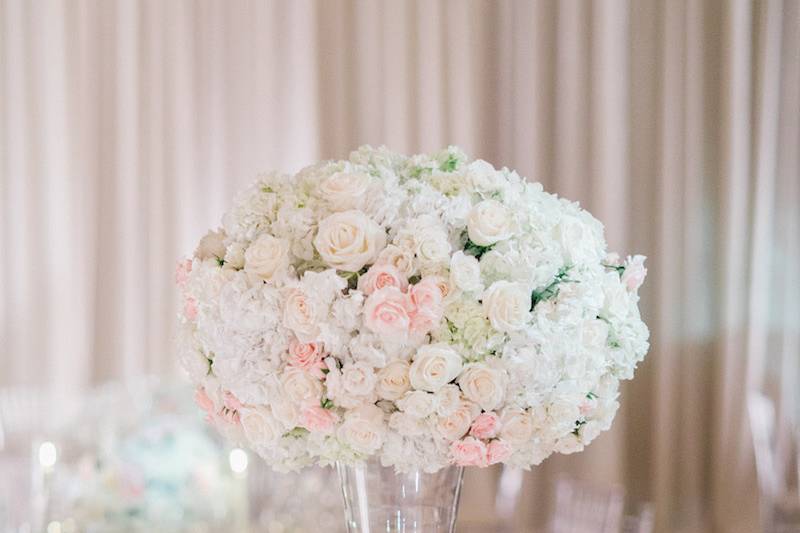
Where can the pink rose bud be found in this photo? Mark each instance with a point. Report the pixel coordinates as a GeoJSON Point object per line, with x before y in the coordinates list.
{"type": "Point", "coordinates": [485, 426]}
{"type": "Point", "coordinates": [634, 273]}
{"type": "Point", "coordinates": [182, 270]}
{"type": "Point", "coordinates": [469, 452]}
{"type": "Point", "coordinates": [379, 276]}
{"type": "Point", "coordinates": [498, 451]}
{"type": "Point", "coordinates": [231, 402]}
{"type": "Point", "coordinates": [190, 308]}
{"type": "Point", "coordinates": [317, 419]}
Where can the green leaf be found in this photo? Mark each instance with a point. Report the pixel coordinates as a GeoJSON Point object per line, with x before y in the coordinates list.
{"type": "Point", "coordinates": [551, 290]}
{"type": "Point", "coordinates": [476, 250]}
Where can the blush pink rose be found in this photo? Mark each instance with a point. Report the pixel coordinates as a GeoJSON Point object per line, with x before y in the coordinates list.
{"type": "Point", "coordinates": [469, 452]}
{"type": "Point", "coordinates": [386, 313]}
{"type": "Point", "coordinates": [485, 426]}
{"type": "Point", "coordinates": [498, 451]}
{"type": "Point", "coordinates": [307, 356]}
{"type": "Point", "coordinates": [379, 276]}
{"type": "Point", "coordinates": [634, 273]}
{"type": "Point", "coordinates": [182, 270]}
{"type": "Point", "coordinates": [317, 419]}
{"type": "Point", "coordinates": [426, 306]}
{"type": "Point", "coordinates": [190, 308]}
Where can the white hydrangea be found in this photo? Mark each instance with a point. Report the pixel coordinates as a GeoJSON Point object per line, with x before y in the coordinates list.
{"type": "Point", "coordinates": [428, 310]}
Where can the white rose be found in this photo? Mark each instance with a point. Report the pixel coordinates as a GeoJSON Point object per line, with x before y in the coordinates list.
{"type": "Point", "coordinates": [358, 379]}
{"type": "Point", "coordinates": [393, 380]}
{"type": "Point", "coordinates": [349, 240]}
{"type": "Point", "coordinates": [483, 177]}
{"type": "Point", "coordinates": [400, 258]}
{"type": "Point", "coordinates": [212, 246]}
{"type": "Point", "coordinates": [490, 222]}
{"type": "Point", "coordinates": [516, 426]}
{"type": "Point", "coordinates": [300, 314]}
{"type": "Point", "coordinates": [418, 404]}
{"type": "Point", "coordinates": [483, 385]}
{"type": "Point", "coordinates": [363, 429]}
{"type": "Point", "coordinates": [260, 426]}
{"type": "Point", "coordinates": [580, 237]}
{"type": "Point", "coordinates": [465, 272]}
{"type": "Point", "coordinates": [456, 425]}
{"type": "Point", "coordinates": [432, 245]}
{"type": "Point", "coordinates": [434, 366]}
{"type": "Point", "coordinates": [344, 190]}
{"type": "Point", "coordinates": [447, 400]}
{"type": "Point", "coordinates": [507, 305]}
{"type": "Point", "coordinates": [266, 257]}
{"type": "Point", "coordinates": [301, 387]}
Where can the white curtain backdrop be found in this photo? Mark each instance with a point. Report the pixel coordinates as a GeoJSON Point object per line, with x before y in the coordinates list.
{"type": "Point", "coordinates": [127, 126]}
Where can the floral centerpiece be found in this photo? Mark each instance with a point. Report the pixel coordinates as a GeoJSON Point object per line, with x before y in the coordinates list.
{"type": "Point", "coordinates": [425, 311]}
{"type": "Point", "coordinates": [142, 461]}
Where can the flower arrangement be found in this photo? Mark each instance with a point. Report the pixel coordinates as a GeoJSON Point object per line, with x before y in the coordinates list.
{"type": "Point", "coordinates": [428, 310]}
{"type": "Point", "coordinates": [143, 461]}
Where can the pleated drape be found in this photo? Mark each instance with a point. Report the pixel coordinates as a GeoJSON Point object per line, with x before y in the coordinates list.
{"type": "Point", "coordinates": [126, 127]}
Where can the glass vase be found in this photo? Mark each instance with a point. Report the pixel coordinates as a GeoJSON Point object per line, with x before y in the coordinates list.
{"type": "Point", "coordinates": [379, 500]}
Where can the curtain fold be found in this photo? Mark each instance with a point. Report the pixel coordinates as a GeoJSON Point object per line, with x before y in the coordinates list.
{"type": "Point", "coordinates": [126, 127]}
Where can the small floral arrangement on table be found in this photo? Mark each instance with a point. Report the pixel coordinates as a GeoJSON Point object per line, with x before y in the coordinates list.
{"type": "Point", "coordinates": [428, 310]}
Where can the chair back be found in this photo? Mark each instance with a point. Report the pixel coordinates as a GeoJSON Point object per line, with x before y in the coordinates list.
{"type": "Point", "coordinates": [586, 508]}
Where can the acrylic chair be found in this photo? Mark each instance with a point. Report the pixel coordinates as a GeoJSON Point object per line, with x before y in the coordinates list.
{"type": "Point", "coordinates": [585, 508]}
{"type": "Point", "coordinates": [780, 506]}
{"type": "Point", "coordinates": [642, 522]}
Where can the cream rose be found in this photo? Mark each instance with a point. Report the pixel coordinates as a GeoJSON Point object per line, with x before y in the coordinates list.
{"type": "Point", "coordinates": [457, 424]}
{"type": "Point", "coordinates": [490, 222]}
{"type": "Point", "coordinates": [516, 426]}
{"type": "Point", "coordinates": [465, 272]}
{"type": "Point", "coordinates": [483, 385]}
{"type": "Point", "coordinates": [349, 240]}
{"type": "Point", "coordinates": [260, 426]}
{"type": "Point", "coordinates": [418, 404]}
{"type": "Point", "coordinates": [301, 387]}
{"type": "Point", "coordinates": [507, 305]}
{"type": "Point", "coordinates": [400, 258]}
{"type": "Point", "coordinates": [448, 398]}
{"type": "Point", "coordinates": [358, 379]}
{"type": "Point", "coordinates": [363, 429]}
{"type": "Point", "coordinates": [434, 366]}
{"type": "Point", "coordinates": [267, 257]}
{"type": "Point", "coordinates": [344, 190]}
{"type": "Point", "coordinates": [393, 380]}
{"type": "Point", "coordinates": [300, 314]}
{"type": "Point", "coordinates": [234, 255]}
{"type": "Point", "coordinates": [212, 246]}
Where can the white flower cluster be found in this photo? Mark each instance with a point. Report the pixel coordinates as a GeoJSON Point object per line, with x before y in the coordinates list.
{"type": "Point", "coordinates": [428, 310]}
